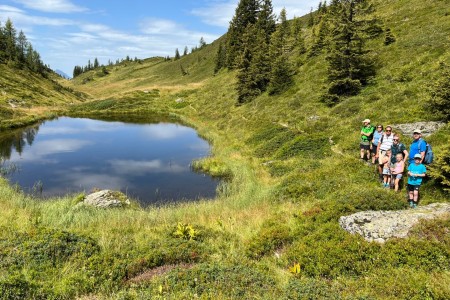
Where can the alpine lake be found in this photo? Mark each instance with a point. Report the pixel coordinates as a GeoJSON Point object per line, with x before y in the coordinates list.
{"type": "Point", "coordinates": [148, 160]}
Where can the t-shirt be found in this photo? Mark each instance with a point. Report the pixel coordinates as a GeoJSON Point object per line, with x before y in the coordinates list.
{"type": "Point", "coordinates": [414, 149]}
{"type": "Point", "coordinates": [376, 137]}
{"type": "Point", "coordinates": [395, 149]}
{"type": "Point", "coordinates": [416, 169]}
{"type": "Point", "coordinates": [399, 167]}
{"type": "Point", "coordinates": [386, 141]}
{"type": "Point", "coordinates": [367, 129]}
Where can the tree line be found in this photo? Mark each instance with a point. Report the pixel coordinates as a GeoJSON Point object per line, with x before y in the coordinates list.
{"type": "Point", "coordinates": [78, 70]}
{"type": "Point", "coordinates": [265, 53]}
{"type": "Point", "coordinates": [16, 50]}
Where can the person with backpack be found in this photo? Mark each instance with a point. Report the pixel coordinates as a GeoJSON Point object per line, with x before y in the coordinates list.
{"type": "Point", "coordinates": [418, 146]}
{"type": "Point", "coordinates": [366, 138]}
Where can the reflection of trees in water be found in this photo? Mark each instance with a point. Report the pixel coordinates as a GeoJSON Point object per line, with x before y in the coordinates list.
{"type": "Point", "coordinates": [17, 140]}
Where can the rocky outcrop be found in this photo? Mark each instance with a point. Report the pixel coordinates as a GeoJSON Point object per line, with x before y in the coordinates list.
{"type": "Point", "coordinates": [106, 199]}
{"type": "Point", "coordinates": [427, 128]}
{"type": "Point", "coordinates": [379, 226]}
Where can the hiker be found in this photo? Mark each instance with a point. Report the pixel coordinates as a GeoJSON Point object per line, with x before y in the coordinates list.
{"type": "Point", "coordinates": [397, 170]}
{"type": "Point", "coordinates": [387, 169]}
{"type": "Point", "coordinates": [376, 138]}
{"type": "Point", "coordinates": [416, 172]}
{"type": "Point", "coordinates": [366, 137]}
{"type": "Point", "coordinates": [397, 148]}
{"type": "Point", "coordinates": [384, 144]}
{"type": "Point", "coordinates": [418, 146]}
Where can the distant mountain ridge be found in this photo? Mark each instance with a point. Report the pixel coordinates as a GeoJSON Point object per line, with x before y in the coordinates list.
{"type": "Point", "coordinates": [63, 74]}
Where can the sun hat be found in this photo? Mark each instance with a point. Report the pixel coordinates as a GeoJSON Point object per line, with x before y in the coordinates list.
{"type": "Point", "coordinates": [366, 121]}
{"type": "Point", "coordinates": [417, 131]}
{"type": "Point", "coordinates": [418, 156]}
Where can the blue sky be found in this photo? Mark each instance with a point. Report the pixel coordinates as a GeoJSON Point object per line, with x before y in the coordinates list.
{"type": "Point", "coordinates": [70, 32]}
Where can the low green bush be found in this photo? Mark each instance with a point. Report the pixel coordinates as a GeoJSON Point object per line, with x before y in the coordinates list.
{"type": "Point", "coordinates": [309, 288]}
{"type": "Point", "coordinates": [273, 235]}
{"type": "Point", "coordinates": [315, 147]}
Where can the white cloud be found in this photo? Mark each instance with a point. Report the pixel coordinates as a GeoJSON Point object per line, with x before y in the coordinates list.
{"type": "Point", "coordinates": [166, 131]}
{"type": "Point", "coordinates": [219, 13]}
{"type": "Point", "coordinates": [53, 6]}
{"type": "Point", "coordinates": [7, 8]}
{"type": "Point", "coordinates": [41, 150]}
{"type": "Point", "coordinates": [135, 167]}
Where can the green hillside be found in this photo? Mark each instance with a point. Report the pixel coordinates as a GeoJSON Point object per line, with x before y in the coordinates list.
{"type": "Point", "coordinates": [293, 169]}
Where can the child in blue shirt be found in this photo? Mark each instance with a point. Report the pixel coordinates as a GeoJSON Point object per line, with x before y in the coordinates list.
{"type": "Point", "coordinates": [416, 172]}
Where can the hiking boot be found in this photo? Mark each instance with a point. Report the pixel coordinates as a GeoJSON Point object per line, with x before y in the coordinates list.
{"type": "Point", "coordinates": [411, 204]}
{"type": "Point", "coordinates": [414, 205]}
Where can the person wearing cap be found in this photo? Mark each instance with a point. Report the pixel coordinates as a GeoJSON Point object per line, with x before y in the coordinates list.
{"type": "Point", "coordinates": [385, 143]}
{"type": "Point", "coordinates": [416, 172]}
{"type": "Point", "coordinates": [366, 137]}
{"type": "Point", "coordinates": [418, 146]}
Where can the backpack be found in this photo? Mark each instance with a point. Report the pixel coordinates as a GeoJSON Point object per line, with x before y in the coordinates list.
{"type": "Point", "coordinates": [429, 155]}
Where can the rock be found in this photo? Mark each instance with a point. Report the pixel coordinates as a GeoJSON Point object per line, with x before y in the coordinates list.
{"type": "Point", "coordinates": [427, 128]}
{"type": "Point", "coordinates": [179, 100]}
{"type": "Point", "coordinates": [106, 199]}
{"type": "Point", "coordinates": [379, 226]}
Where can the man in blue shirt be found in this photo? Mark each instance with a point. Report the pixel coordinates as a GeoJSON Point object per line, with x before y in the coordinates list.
{"type": "Point", "coordinates": [418, 146]}
{"type": "Point", "coordinates": [416, 172]}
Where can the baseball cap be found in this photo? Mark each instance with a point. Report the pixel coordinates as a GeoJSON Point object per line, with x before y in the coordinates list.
{"type": "Point", "coordinates": [417, 156]}
{"type": "Point", "coordinates": [366, 121]}
{"type": "Point", "coordinates": [417, 131]}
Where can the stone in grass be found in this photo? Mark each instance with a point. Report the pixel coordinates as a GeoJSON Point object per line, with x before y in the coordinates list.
{"type": "Point", "coordinates": [379, 226]}
{"type": "Point", "coordinates": [106, 199]}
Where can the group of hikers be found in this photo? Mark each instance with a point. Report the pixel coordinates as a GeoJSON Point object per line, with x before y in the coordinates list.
{"type": "Point", "coordinates": [382, 147]}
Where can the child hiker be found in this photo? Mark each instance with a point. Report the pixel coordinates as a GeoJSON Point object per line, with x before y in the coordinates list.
{"type": "Point", "coordinates": [416, 172]}
{"type": "Point", "coordinates": [397, 170]}
{"type": "Point", "coordinates": [387, 169]}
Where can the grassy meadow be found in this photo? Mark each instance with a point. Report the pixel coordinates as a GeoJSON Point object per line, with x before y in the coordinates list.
{"type": "Point", "coordinates": [292, 169]}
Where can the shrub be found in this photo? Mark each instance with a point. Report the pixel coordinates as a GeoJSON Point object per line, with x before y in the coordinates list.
{"type": "Point", "coordinates": [440, 169]}
{"type": "Point", "coordinates": [315, 147]}
{"type": "Point", "coordinates": [309, 288]}
{"type": "Point", "coordinates": [440, 95]}
{"type": "Point", "coordinates": [272, 236]}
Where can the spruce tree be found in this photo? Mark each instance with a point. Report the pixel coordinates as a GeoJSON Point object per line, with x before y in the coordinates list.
{"type": "Point", "coordinates": [221, 57]}
{"type": "Point", "coordinates": [246, 13]}
{"type": "Point", "coordinates": [186, 50]}
{"type": "Point", "coordinates": [202, 43]}
{"type": "Point", "coordinates": [281, 71]}
{"type": "Point", "coordinates": [389, 37]}
{"type": "Point", "coordinates": [247, 86]}
{"type": "Point", "coordinates": [177, 54]}
{"type": "Point", "coordinates": [10, 36]}
{"type": "Point", "coordinates": [96, 64]}
{"type": "Point", "coordinates": [266, 20]}
{"type": "Point", "coordinates": [349, 67]}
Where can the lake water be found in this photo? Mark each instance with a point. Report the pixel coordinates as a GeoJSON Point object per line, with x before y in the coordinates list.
{"type": "Point", "coordinates": [148, 162]}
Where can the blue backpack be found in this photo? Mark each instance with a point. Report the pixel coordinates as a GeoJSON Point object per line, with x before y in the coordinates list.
{"type": "Point", "coordinates": [429, 155]}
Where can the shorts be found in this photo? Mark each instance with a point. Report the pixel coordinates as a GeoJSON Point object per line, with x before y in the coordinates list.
{"type": "Point", "coordinates": [412, 188]}
{"type": "Point", "coordinates": [365, 147]}
{"type": "Point", "coordinates": [374, 149]}
{"type": "Point", "coordinates": [386, 171]}
{"type": "Point", "coordinates": [381, 156]}
{"type": "Point", "coordinates": [398, 176]}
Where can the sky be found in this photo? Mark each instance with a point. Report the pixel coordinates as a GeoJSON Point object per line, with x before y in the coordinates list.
{"type": "Point", "coordinates": [67, 33]}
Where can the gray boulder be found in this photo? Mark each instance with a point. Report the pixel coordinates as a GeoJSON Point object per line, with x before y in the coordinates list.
{"type": "Point", "coordinates": [379, 226]}
{"type": "Point", "coordinates": [106, 199]}
{"type": "Point", "coordinates": [427, 128]}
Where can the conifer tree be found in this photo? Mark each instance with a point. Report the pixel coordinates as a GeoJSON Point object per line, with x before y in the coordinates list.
{"type": "Point", "coordinates": [266, 20]}
{"type": "Point", "coordinates": [311, 18]}
{"type": "Point", "coordinates": [21, 47]}
{"type": "Point", "coordinates": [281, 71]}
{"type": "Point", "coordinates": [221, 57]}
{"type": "Point", "coordinates": [246, 13]}
{"type": "Point", "coordinates": [202, 43]}
{"type": "Point", "coordinates": [10, 36]}
{"type": "Point", "coordinates": [299, 40]}
{"type": "Point", "coordinates": [247, 86]}
{"type": "Point", "coordinates": [96, 64]}
{"type": "Point", "coordinates": [349, 65]}
{"type": "Point", "coordinates": [177, 54]}
{"type": "Point", "coordinates": [186, 50]}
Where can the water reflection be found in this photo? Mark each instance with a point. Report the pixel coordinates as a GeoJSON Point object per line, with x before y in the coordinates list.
{"type": "Point", "coordinates": [148, 161]}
